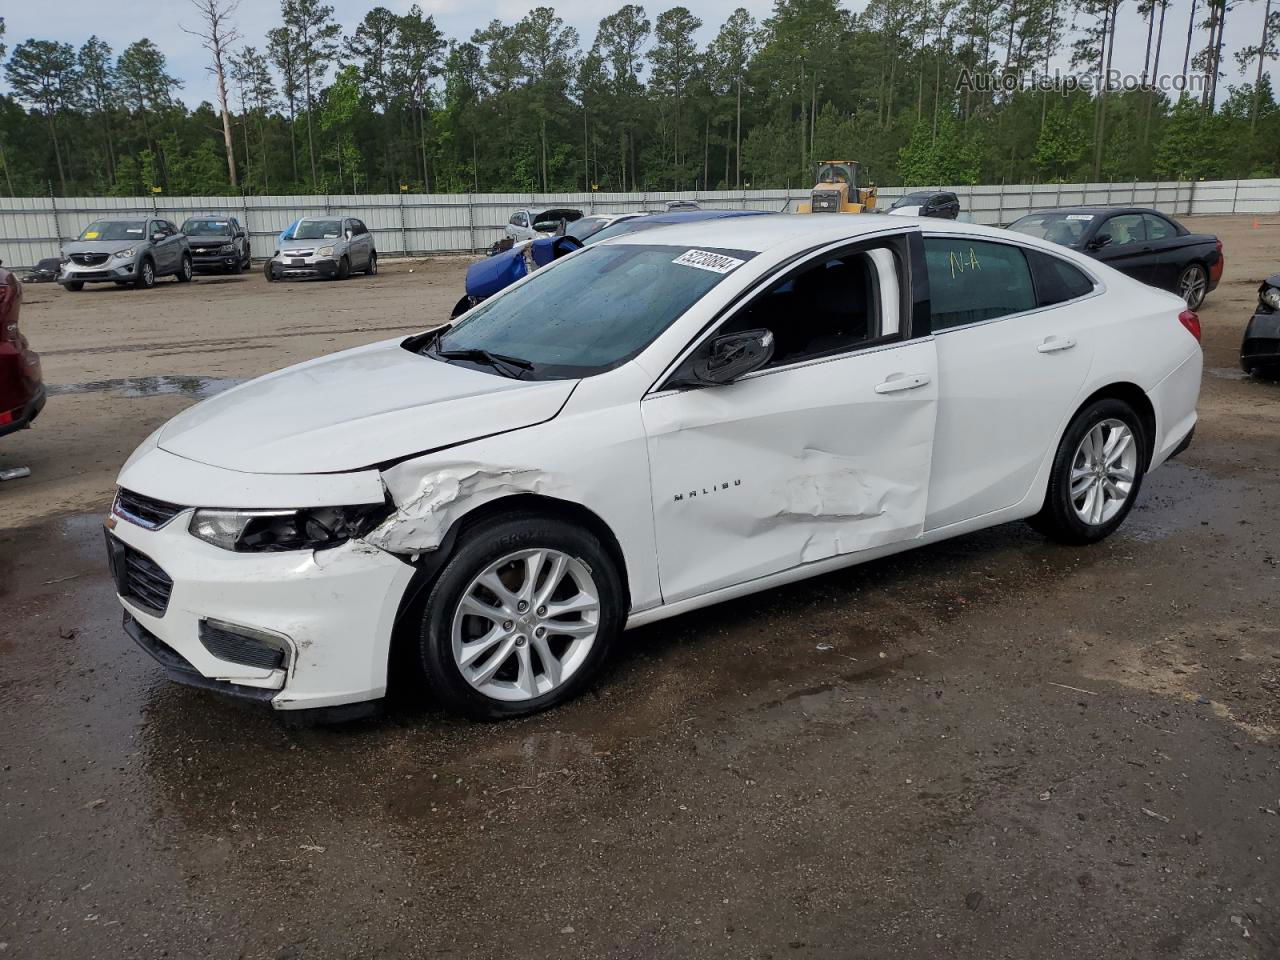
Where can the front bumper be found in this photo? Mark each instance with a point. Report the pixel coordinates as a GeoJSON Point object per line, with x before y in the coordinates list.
{"type": "Point", "coordinates": [290, 269]}
{"type": "Point", "coordinates": [331, 612]}
{"type": "Point", "coordinates": [1261, 344]}
{"type": "Point", "coordinates": [111, 270]}
{"type": "Point", "coordinates": [214, 261]}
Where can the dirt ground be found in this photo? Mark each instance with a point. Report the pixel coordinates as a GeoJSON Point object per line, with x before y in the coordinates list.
{"type": "Point", "coordinates": [1012, 749]}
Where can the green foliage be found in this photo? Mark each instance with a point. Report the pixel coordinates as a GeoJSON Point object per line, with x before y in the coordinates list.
{"type": "Point", "coordinates": [528, 104]}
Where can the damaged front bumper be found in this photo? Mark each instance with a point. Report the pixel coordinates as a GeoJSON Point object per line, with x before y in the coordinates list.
{"type": "Point", "coordinates": [297, 629]}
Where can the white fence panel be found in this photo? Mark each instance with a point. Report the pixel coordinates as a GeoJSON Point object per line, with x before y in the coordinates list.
{"type": "Point", "coordinates": [32, 228]}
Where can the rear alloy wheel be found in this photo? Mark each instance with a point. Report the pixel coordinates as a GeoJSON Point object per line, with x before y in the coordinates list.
{"type": "Point", "coordinates": [184, 270]}
{"type": "Point", "coordinates": [1193, 285]}
{"type": "Point", "coordinates": [520, 618]}
{"type": "Point", "coordinates": [1097, 473]}
{"type": "Point", "coordinates": [146, 278]}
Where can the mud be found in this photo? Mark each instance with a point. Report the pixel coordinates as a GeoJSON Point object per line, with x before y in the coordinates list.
{"type": "Point", "coordinates": [991, 747]}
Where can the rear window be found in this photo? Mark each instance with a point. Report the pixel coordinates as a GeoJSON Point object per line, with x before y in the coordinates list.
{"type": "Point", "coordinates": [594, 311]}
{"type": "Point", "coordinates": [1067, 229]}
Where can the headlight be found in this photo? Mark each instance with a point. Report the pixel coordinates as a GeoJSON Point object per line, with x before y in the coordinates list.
{"type": "Point", "coordinates": [226, 248]}
{"type": "Point", "coordinates": [126, 254]}
{"type": "Point", "coordinates": [325, 252]}
{"type": "Point", "coordinates": [1271, 297]}
{"type": "Point", "coordinates": [271, 531]}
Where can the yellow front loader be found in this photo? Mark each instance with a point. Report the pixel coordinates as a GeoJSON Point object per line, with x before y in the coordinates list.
{"type": "Point", "coordinates": [836, 190]}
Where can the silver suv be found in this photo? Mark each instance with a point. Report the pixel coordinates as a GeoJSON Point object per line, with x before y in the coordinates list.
{"type": "Point", "coordinates": [127, 253]}
{"type": "Point", "coordinates": [330, 247]}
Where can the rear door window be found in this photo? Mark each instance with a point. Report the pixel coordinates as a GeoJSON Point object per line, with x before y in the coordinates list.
{"type": "Point", "coordinates": [1158, 228]}
{"type": "Point", "coordinates": [975, 280]}
{"type": "Point", "coordinates": [1056, 280]}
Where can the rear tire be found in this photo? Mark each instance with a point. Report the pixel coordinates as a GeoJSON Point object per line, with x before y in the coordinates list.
{"type": "Point", "coordinates": [520, 683]}
{"type": "Point", "coordinates": [1096, 474]}
{"type": "Point", "coordinates": [1193, 285]}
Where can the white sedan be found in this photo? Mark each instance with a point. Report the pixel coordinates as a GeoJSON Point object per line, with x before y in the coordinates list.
{"type": "Point", "coordinates": [656, 423]}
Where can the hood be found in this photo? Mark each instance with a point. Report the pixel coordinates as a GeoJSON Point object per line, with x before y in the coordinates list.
{"type": "Point", "coordinates": [356, 408]}
{"type": "Point", "coordinates": [486, 277]}
{"type": "Point", "coordinates": [101, 246]}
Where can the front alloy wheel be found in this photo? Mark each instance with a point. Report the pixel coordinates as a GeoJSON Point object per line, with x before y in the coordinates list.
{"type": "Point", "coordinates": [521, 616]}
{"type": "Point", "coordinates": [525, 624]}
{"type": "Point", "coordinates": [1193, 285]}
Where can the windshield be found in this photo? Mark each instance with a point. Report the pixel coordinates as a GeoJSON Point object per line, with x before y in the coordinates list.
{"type": "Point", "coordinates": [593, 311]}
{"type": "Point", "coordinates": [318, 230]}
{"type": "Point", "coordinates": [115, 230]}
{"type": "Point", "coordinates": [207, 228]}
{"type": "Point", "coordinates": [634, 225]}
{"type": "Point", "coordinates": [581, 229]}
{"type": "Point", "coordinates": [1056, 226]}
{"type": "Point", "coordinates": [911, 200]}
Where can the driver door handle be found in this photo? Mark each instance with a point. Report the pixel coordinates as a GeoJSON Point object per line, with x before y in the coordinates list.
{"type": "Point", "coordinates": [902, 381]}
{"type": "Point", "coordinates": [1054, 344]}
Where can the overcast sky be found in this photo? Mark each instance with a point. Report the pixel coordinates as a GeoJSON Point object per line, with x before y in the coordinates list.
{"type": "Point", "coordinates": [120, 22]}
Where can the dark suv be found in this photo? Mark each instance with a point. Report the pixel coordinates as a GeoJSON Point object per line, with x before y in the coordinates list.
{"type": "Point", "coordinates": [217, 243]}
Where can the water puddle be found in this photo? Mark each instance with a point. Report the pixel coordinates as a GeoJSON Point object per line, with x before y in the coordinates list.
{"type": "Point", "coordinates": [1227, 373]}
{"type": "Point", "coordinates": [198, 388]}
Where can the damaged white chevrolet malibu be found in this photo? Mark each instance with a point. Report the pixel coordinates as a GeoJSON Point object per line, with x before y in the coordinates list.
{"type": "Point", "coordinates": [656, 423]}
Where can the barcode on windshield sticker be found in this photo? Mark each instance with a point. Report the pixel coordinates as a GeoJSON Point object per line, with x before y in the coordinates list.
{"type": "Point", "coordinates": [1079, 216]}
{"type": "Point", "coordinates": [705, 260]}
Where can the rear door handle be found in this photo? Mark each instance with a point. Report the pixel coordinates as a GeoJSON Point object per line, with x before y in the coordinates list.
{"type": "Point", "coordinates": [1054, 344]}
{"type": "Point", "coordinates": [902, 381]}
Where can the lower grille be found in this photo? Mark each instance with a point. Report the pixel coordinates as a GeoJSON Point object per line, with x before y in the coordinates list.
{"type": "Point", "coordinates": [235, 645]}
{"type": "Point", "coordinates": [139, 579]}
{"type": "Point", "coordinates": [144, 511]}
{"type": "Point", "coordinates": [1262, 346]}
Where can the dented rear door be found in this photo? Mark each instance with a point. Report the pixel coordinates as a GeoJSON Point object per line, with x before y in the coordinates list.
{"type": "Point", "coordinates": [791, 466]}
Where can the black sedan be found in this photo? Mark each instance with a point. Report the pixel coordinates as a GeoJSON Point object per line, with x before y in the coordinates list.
{"type": "Point", "coordinates": [1260, 351]}
{"type": "Point", "coordinates": [1146, 244]}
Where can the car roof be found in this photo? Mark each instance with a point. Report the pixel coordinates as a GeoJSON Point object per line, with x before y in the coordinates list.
{"type": "Point", "coordinates": [759, 234]}
{"type": "Point", "coordinates": [1096, 211]}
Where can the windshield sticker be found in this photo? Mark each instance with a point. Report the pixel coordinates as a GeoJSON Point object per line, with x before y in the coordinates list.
{"type": "Point", "coordinates": [1079, 216]}
{"type": "Point", "coordinates": [703, 260]}
{"type": "Point", "coordinates": [91, 234]}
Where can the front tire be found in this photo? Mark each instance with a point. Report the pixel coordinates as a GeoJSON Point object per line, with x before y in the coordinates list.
{"type": "Point", "coordinates": [344, 269]}
{"type": "Point", "coordinates": [75, 286]}
{"type": "Point", "coordinates": [372, 269]}
{"type": "Point", "coordinates": [521, 617]}
{"type": "Point", "coordinates": [1193, 285]}
{"type": "Point", "coordinates": [146, 278]}
{"type": "Point", "coordinates": [185, 271]}
{"type": "Point", "coordinates": [1096, 475]}
{"type": "Point", "coordinates": [267, 272]}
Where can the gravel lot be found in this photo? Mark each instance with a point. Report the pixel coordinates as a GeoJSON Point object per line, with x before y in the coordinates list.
{"type": "Point", "coordinates": [1013, 749]}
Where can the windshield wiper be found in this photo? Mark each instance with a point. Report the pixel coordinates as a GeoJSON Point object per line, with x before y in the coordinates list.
{"type": "Point", "coordinates": [498, 361]}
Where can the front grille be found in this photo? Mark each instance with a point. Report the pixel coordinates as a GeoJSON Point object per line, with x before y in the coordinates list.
{"type": "Point", "coordinates": [89, 259]}
{"type": "Point", "coordinates": [144, 511]}
{"type": "Point", "coordinates": [142, 581]}
{"type": "Point", "coordinates": [226, 642]}
{"type": "Point", "coordinates": [298, 253]}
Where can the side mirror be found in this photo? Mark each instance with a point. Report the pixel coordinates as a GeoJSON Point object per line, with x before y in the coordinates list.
{"type": "Point", "coordinates": [564, 245]}
{"type": "Point", "coordinates": [157, 237]}
{"type": "Point", "coordinates": [1100, 241]}
{"type": "Point", "coordinates": [348, 234]}
{"type": "Point", "coordinates": [733, 355]}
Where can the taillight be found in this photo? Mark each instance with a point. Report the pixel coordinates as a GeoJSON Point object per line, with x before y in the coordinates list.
{"type": "Point", "coordinates": [1215, 271]}
{"type": "Point", "coordinates": [1191, 321]}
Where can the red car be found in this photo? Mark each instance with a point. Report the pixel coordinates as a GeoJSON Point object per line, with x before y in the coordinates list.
{"type": "Point", "coordinates": [21, 388]}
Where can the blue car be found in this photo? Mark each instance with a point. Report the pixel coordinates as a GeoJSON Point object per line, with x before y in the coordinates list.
{"type": "Point", "coordinates": [488, 276]}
